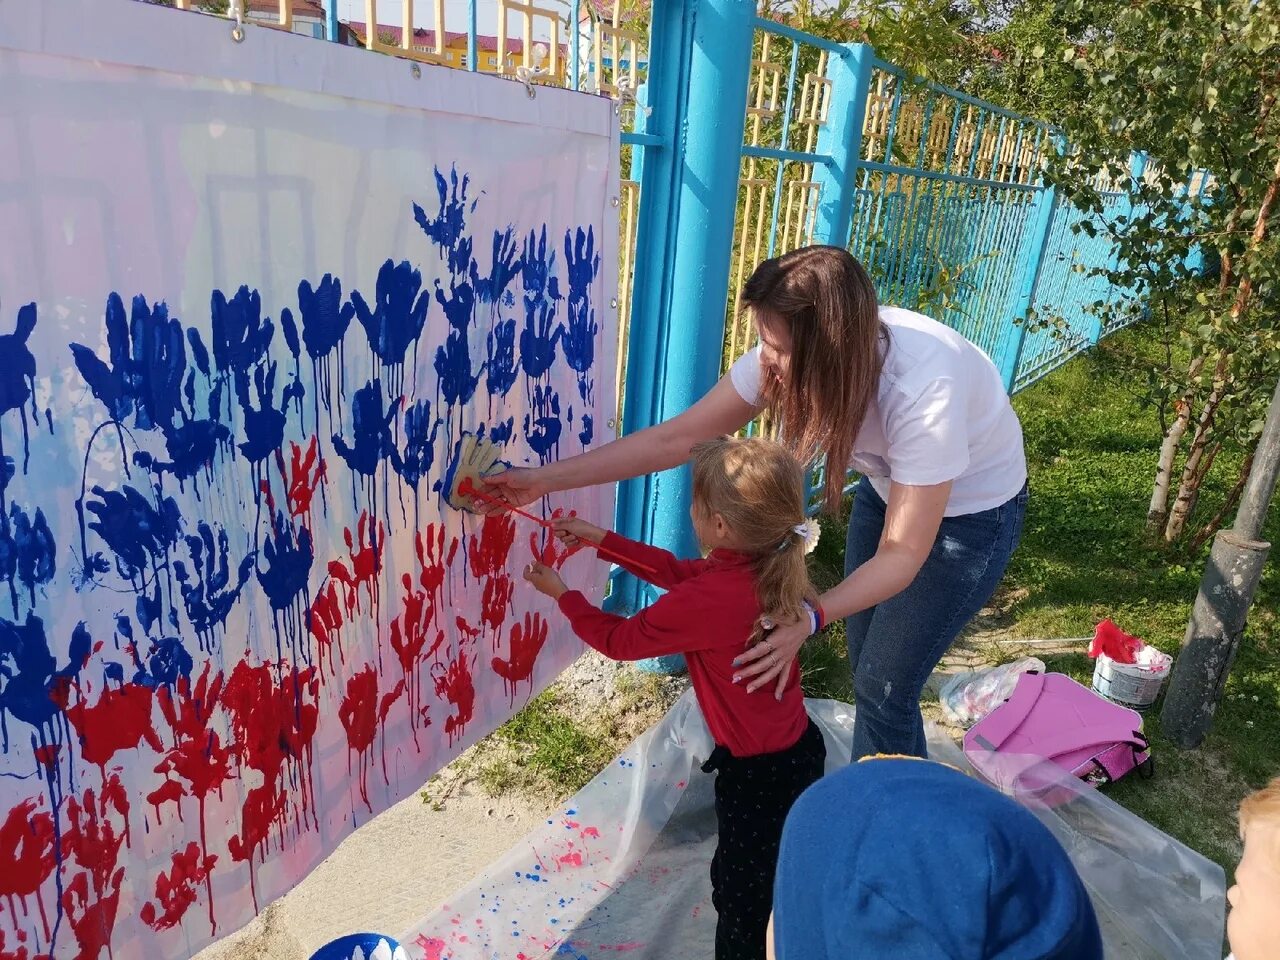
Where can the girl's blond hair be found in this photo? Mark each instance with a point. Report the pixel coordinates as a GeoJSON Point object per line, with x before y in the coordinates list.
{"type": "Point", "coordinates": [758, 488]}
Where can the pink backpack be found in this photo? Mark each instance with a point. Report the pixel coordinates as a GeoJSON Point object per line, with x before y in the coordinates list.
{"type": "Point", "coordinates": [1050, 725]}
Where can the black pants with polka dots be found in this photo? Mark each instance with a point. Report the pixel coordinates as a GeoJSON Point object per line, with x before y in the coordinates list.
{"type": "Point", "coordinates": [753, 796]}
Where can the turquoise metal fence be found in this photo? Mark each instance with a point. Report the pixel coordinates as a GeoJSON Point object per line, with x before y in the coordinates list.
{"type": "Point", "coordinates": [747, 138]}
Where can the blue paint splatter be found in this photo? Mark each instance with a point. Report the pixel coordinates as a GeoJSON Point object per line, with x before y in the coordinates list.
{"type": "Point", "coordinates": [27, 552]}
{"type": "Point", "coordinates": [147, 359]}
{"type": "Point", "coordinates": [34, 687]}
{"type": "Point", "coordinates": [18, 375]}
{"type": "Point", "coordinates": [264, 424]}
{"type": "Point", "coordinates": [504, 266]}
{"type": "Point", "coordinates": [167, 662]}
{"type": "Point", "coordinates": [500, 370]}
{"type": "Point", "coordinates": [582, 263]}
{"type": "Point", "coordinates": [139, 534]}
{"type": "Point", "coordinates": [501, 432]}
{"type": "Point", "coordinates": [588, 430]}
{"type": "Point", "coordinates": [419, 446]}
{"type": "Point", "coordinates": [325, 317]}
{"type": "Point", "coordinates": [371, 426]}
{"type": "Point", "coordinates": [241, 335]}
{"type": "Point", "coordinates": [542, 425]}
{"type": "Point", "coordinates": [399, 313]}
{"type": "Point", "coordinates": [453, 359]}
{"type": "Point", "coordinates": [207, 590]}
{"type": "Point", "coordinates": [448, 226]}
{"type": "Point", "coordinates": [288, 560]}
{"type": "Point", "coordinates": [541, 295]}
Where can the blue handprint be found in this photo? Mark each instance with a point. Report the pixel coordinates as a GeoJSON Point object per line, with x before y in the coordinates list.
{"type": "Point", "coordinates": [399, 313]}
{"type": "Point", "coordinates": [505, 265]}
{"type": "Point", "coordinates": [147, 360]}
{"type": "Point", "coordinates": [325, 317]}
{"type": "Point", "coordinates": [241, 335]}
{"type": "Point", "coordinates": [419, 445]}
{"type": "Point", "coordinates": [371, 426]}
{"type": "Point", "coordinates": [582, 263]}
{"type": "Point", "coordinates": [453, 359]}
{"type": "Point", "coordinates": [541, 294]}
{"type": "Point", "coordinates": [500, 369]}
{"type": "Point", "coordinates": [448, 227]}
{"type": "Point", "coordinates": [542, 426]}
{"type": "Point", "coordinates": [288, 562]}
{"type": "Point", "coordinates": [264, 424]}
{"type": "Point", "coordinates": [207, 591]}
{"type": "Point", "coordinates": [138, 533]}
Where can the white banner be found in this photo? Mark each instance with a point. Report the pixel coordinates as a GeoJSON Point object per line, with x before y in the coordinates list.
{"type": "Point", "coordinates": [258, 301]}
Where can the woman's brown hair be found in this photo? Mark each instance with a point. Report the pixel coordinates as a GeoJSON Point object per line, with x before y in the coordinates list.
{"type": "Point", "coordinates": [757, 486]}
{"type": "Point", "coordinates": [827, 303]}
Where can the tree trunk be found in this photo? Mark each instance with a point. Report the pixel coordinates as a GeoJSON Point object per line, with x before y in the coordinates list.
{"type": "Point", "coordinates": [1158, 509]}
{"type": "Point", "coordinates": [1213, 526]}
{"type": "Point", "coordinates": [1189, 485]}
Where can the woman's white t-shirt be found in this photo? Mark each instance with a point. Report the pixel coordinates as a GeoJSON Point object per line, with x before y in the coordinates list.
{"type": "Point", "coordinates": [941, 414]}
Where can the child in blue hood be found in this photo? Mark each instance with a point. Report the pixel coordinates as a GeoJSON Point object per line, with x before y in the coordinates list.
{"type": "Point", "coordinates": [896, 858]}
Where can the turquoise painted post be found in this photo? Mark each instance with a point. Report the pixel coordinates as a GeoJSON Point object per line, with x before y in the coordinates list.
{"type": "Point", "coordinates": [1038, 240]}
{"type": "Point", "coordinates": [471, 38]}
{"type": "Point", "coordinates": [331, 20]}
{"type": "Point", "coordinates": [700, 57]}
{"type": "Point", "coordinates": [841, 140]}
{"type": "Point", "coordinates": [575, 15]}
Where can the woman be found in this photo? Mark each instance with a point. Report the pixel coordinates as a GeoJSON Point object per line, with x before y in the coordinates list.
{"type": "Point", "coordinates": [920, 412]}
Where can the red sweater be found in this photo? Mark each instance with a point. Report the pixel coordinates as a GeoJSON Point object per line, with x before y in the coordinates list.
{"type": "Point", "coordinates": [708, 615]}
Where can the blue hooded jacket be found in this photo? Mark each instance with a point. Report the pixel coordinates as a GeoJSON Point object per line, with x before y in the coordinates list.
{"type": "Point", "coordinates": [905, 859]}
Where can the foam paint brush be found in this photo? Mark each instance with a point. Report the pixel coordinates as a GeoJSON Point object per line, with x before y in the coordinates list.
{"type": "Point", "coordinates": [465, 492]}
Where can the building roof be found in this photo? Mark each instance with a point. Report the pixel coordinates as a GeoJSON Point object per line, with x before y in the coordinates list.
{"type": "Point", "coordinates": [299, 8]}
{"type": "Point", "coordinates": [427, 38]}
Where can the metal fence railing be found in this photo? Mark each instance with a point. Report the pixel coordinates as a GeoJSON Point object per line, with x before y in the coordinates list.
{"type": "Point", "coordinates": [941, 195]}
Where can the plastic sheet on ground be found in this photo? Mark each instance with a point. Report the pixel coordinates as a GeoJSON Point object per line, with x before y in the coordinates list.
{"type": "Point", "coordinates": [621, 870]}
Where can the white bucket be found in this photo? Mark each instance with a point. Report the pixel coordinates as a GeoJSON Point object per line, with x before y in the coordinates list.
{"type": "Point", "coordinates": [1127, 683]}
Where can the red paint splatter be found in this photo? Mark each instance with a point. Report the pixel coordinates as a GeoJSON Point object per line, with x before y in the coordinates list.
{"type": "Point", "coordinates": [47, 755]}
{"type": "Point", "coordinates": [27, 852]}
{"type": "Point", "coordinates": [274, 725]}
{"type": "Point", "coordinates": [570, 859]}
{"type": "Point", "coordinates": [358, 714]}
{"type": "Point", "coordinates": [365, 564]}
{"type": "Point", "coordinates": [325, 621]}
{"type": "Point", "coordinates": [420, 609]}
{"type": "Point", "coordinates": [526, 644]}
{"type": "Point", "coordinates": [454, 684]}
{"type": "Point", "coordinates": [20, 953]}
{"type": "Point", "coordinates": [198, 758]}
{"type": "Point", "coordinates": [432, 947]}
{"type": "Point", "coordinates": [551, 552]}
{"type": "Point", "coordinates": [176, 890]}
{"type": "Point", "coordinates": [120, 720]}
{"type": "Point", "coordinates": [488, 550]}
{"type": "Point", "coordinates": [91, 898]}
{"type": "Point", "coordinates": [591, 833]}
{"type": "Point", "coordinates": [302, 483]}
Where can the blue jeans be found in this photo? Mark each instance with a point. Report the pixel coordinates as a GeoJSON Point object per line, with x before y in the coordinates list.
{"type": "Point", "coordinates": [895, 645]}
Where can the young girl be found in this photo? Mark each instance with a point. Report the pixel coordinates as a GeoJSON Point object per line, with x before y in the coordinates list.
{"type": "Point", "coordinates": [748, 512]}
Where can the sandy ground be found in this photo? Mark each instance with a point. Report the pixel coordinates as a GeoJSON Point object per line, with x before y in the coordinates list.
{"type": "Point", "coordinates": [402, 864]}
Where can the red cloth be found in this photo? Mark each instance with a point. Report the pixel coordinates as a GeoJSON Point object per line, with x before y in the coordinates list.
{"type": "Point", "coordinates": [708, 615]}
{"type": "Point", "coordinates": [1115, 643]}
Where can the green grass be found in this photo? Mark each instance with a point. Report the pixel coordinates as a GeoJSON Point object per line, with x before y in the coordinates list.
{"type": "Point", "coordinates": [1085, 555]}
{"type": "Point", "coordinates": [546, 748]}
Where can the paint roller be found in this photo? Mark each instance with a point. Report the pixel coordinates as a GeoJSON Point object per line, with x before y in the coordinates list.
{"type": "Point", "coordinates": [476, 456]}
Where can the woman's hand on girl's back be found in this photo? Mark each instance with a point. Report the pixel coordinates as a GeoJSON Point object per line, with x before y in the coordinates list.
{"type": "Point", "coordinates": [517, 486]}
{"type": "Point", "coordinates": [572, 530]}
{"type": "Point", "coordinates": [769, 660]}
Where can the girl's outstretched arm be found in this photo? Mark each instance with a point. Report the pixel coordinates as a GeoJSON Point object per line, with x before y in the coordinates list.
{"type": "Point", "coordinates": [721, 411]}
